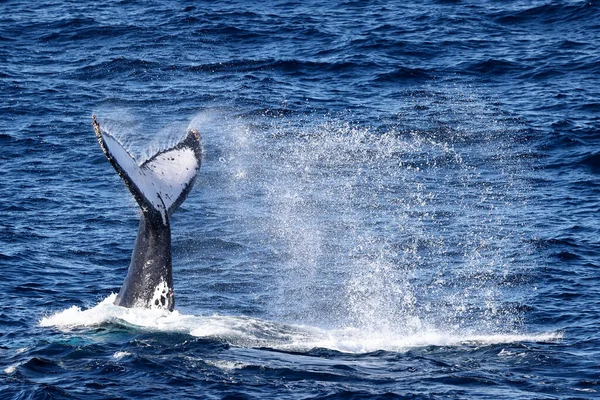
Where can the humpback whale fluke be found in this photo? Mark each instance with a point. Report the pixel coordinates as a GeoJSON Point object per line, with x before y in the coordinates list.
{"type": "Point", "coordinates": [159, 185]}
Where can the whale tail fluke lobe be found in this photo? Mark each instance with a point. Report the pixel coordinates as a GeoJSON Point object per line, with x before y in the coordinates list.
{"type": "Point", "coordinates": [162, 182]}
{"type": "Point", "coordinates": [159, 185]}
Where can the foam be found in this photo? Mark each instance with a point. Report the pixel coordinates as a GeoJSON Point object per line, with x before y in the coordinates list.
{"type": "Point", "coordinates": [252, 332]}
{"type": "Point", "coordinates": [120, 354]}
{"type": "Point", "coordinates": [10, 369]}
{"type": "Point", "coordinates": [226, 365]}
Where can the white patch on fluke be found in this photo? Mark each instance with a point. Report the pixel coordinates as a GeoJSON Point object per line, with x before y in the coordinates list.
{"type": "Point", "coordinates": [162, 178]}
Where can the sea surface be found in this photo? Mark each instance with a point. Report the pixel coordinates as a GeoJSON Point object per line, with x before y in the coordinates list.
{"type": "Point", "coordinates": [397, 199]}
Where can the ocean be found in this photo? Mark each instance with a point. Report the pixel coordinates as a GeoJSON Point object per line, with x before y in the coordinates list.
{"type": "Point", "coordinates": [397, 199]}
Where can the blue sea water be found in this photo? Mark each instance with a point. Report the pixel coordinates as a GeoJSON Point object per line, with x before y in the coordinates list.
{"type": "Point", "coordinates": [397, 199]}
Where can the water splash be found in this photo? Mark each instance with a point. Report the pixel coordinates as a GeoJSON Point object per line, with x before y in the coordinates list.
{"type": "Point", "coordinates": [384, 227]}
{"type": "Point", "coordinates": [257, 333]}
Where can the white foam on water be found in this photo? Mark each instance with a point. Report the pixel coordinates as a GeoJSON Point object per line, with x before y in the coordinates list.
{"type": "Point", "coordinates": [10, 369]}
{"type": "Point", "coordinates": [252, 332]}
{"type": "Point", "coordinates": [226, 365]}
{"type": "Point", "coordinates": [120, 354]}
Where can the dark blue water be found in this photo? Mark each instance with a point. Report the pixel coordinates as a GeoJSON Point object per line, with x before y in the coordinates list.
{"type": "Point", "coordinates": [396, 200]}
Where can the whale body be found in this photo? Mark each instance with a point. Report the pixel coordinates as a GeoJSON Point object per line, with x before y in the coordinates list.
{"type": "Point", "coordinates": [159, 185]}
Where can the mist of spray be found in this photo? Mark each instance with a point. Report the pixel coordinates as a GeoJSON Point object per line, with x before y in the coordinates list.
{"type": "Point", "coordinates": [382, 227]}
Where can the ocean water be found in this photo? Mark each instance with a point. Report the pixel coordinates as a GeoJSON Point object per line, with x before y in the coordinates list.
{"type": "Point", "coordinates": [397, 200]}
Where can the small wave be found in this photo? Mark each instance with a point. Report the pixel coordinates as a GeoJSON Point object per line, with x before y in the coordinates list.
{"type": "Point", "coordinates": [404, 73]}
{"type": "Point", "coordinates": [290, 66]}
{"type": "Point", "coordinates": [119, 65]}
{"type": "Point", "coordinates": [254, 333]}
{"type": "Point", "coordinates": [494, 67]}
{"type": "Point", "coordinates": [591, 161]}
{"type": "Point", "coordinates": [549, 13]}
{"type": "Point", "coordinates": [225, 30]}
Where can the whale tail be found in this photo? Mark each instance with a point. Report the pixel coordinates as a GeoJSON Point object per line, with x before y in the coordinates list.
{"type": "Point", "coordinates": [159, 185]}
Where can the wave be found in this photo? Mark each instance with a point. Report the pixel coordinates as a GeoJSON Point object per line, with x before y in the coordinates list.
{"type": "Point", "coordinates": [494, 66]}
{"type": "Point", "coordinates": [591, 161]}
{"type": "Point", "coordinates": [120, 65]}
{"type": "Point", "coordinates": [258, 333]}
{"type": "Point", "coordinates": [130, 67]}
{"type": "Point", "coordinates": [403, 73]}
{"type": "Point", "coordinates": [554, 12]}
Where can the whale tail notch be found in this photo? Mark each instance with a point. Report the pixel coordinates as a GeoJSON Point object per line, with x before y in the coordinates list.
{"type": "Point", "coordinates": [161, 183]}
